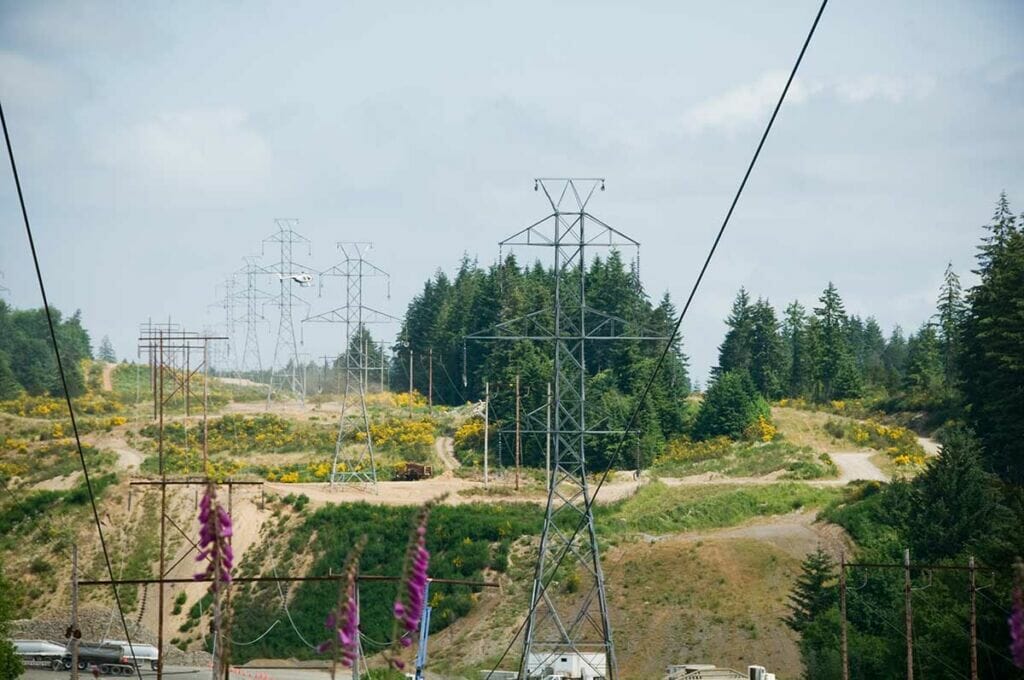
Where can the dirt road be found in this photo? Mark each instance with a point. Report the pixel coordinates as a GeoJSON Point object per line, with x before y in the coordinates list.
{"type": "Point", "coordinates": [445, 447]}
{"type": "Point", "coordinates": [108, 377]}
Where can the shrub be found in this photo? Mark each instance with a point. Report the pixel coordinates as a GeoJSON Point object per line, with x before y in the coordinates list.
{"type": "Point", "coordinates": [731, 405]}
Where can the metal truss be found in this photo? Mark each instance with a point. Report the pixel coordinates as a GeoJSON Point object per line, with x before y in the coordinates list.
{"type": "Point", "coordinates": [288, 273]}
{"type": "Point", "coordinates": [358, 360]}
{"type": "Point", "coordinates": [561, 623]}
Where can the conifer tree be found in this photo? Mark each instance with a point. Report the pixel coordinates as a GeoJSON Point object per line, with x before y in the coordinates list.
{"type": "Point", "coordinates": [949, 318]}
{"type": "Point", "coordinates": [993, 349]}
{"type": "Point", "coordinates": [736, 350]}
{"type": "Point", "coordinates": [835, 369]}
{"type": "Point", "coordinates": [814, 592]}
{"type": "Point", "coordinates": [767, 355]}
{"type": "Point", "coordinates": [106, 351]}
{"type": "Point", "coordinates": [923, 376]}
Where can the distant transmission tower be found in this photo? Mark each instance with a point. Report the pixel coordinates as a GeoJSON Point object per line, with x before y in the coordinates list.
{"type": "Point", "coordinates": [254, 298]}
{"type": "Point", "coordinates": [561, 624]}
{"type": "Point", "coordinates": [223, 356]}
{"type": "Point", "coordinates": [3, 288]}
{"type": "Point", "coordinates": [358, 358]}
{"type": "Point", "coordinates": [289, 274]}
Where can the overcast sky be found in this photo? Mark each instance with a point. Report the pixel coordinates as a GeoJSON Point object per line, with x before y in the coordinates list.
{"type": "Point", "coordinates": [157, 142]}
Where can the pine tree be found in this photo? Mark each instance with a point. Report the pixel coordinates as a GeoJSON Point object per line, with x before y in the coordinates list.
{"type": "Point", "coordinates": [873, 361]}
{"type": "Point", "coordinates": [814, 592]}
{"type": "Point", "coordinates": [949, 317]}
{"type": "Point", "coordinates": [923, 376]}
{"type": "Point", "coordinates": [730, 405]}
{"type": "Point", "coordinates": [835, 368]}
{"type": "Point", "coordinates": [794, 338]}
{"type": "Point", "coordinates": [993, 348]}
{"type": "Point", "coordinates": [736, 350]}
{"type": "Point", "coordinates": [955, 500]}
{"type": "Point", "coordinates": [767, 354]}
{"type": "Point", "coordinates": [106, 351]}
{"type": "Point", "coordinates": [894, 359]}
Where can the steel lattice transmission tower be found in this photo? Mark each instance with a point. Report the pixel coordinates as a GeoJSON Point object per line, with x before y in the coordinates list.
{"type": "Point", "coordinates": [289, 274]}
{"type": "Point", "coordinates": [254, 299]}
{"type": "Point", "coordinates": [560, 623]}
{"type": "Point", "coordinates": [223, 356]}
{"type": "Point", "coordinates": [358, 359]}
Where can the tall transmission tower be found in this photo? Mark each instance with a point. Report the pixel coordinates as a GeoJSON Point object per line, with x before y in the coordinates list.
{"type": "Point", "coordinates": [254, 299]}
{"type": "Point", "coordinates": [359, 359]}
{"type": "Point", "coordinates": [289, 274]}
{"type": "Point", "coordinates": [559, 624]}
{"type": "Point", "coordinates": [3, 288]}
{"type": "Point", "coordinates": [223, 356]}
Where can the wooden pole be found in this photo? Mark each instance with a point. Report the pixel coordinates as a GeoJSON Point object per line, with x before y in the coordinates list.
{"type": "Point", "coordinates": [974, 621]}
{"type": "Point", "coordinates": [843, 642]}
{"type": "Point", "coordinates": [517, 431]}
{"type": "Point", "coordinates": [410, 383]}
{"type": "Point", "coordinates": [909, 614]}
{"type": "Point", "coordinates": [206, 404]}
{"type": "Point", "coordinates": [430, 379]}
{"type": "Point", "coordinates": [487, 426]}
{"type": "Point", "coordinates": [382, 366]}
{"type": "Point", "coordinates": [163, 522]}
{"type": "Point", "coordinates": [74, 611]}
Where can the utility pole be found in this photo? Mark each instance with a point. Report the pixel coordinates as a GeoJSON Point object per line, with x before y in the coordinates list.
{"type": "Point", "coordinates": [487, 425]}
{"type": "Point", "coordinates": [410, 383]}
{"type": "Point", "coordinates": [75, 634]}
{"type": "Point", "coordinates": [843, 644]}
{"type": "Point", "coordinates": [909, 614]}
{"type": "Point", "coordinates": [517, 431]}
{"type": "Point", "coordinates": [974, 621]}
{"type": "Point", "coordinates": [430, 380]}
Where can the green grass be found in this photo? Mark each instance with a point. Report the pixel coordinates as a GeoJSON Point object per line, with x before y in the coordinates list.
{"type": "Point", "coordinates": [657, 508]}
{"type": "Point", "coordinates": [747, 459]}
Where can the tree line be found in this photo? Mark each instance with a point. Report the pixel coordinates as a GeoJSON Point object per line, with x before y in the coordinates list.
{"type": "Point", "coordinates": [969, 502]}
{"type": "Point", "coordinates": [439, 319]}
{"type": "Point", "coordinates": [27, 361]}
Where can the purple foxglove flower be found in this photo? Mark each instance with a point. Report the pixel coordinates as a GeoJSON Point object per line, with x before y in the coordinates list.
{"type": "Point", "coordinates": [412, 589]}
{"type": "Point", "coordinates": [214, 545]}
{"type": "Point", "coordinates": [343, 621]}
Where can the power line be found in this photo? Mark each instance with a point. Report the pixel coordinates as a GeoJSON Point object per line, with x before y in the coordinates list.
{"type": "Point", "coordinates": [64, 381]}
{"type": "Point", "coordinates": [675, 330]}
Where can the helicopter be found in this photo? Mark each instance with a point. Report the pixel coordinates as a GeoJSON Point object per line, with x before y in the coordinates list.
{"type": "Point", "coordinates": [302, 278]}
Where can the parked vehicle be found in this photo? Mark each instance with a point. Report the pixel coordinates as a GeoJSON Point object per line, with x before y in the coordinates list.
{"type": "Point", "coordinates": [109, 659]}
{"type": "Point", "coordinates": [143, 653]}
{"type": "Point", "coordinates": [38, 653]}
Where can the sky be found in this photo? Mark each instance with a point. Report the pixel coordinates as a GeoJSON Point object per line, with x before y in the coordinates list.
{"type": "Point", "coordinates": [158, 142]}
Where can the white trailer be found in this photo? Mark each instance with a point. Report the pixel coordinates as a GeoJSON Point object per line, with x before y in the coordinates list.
{"type": "Point", "coordinates": [567, 666]}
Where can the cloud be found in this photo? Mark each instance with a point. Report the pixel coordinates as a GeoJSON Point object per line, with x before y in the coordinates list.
{"type": "Point", "coordinates": [30, 83]}
{"type": "Point", "coordinates": [752, 103]}
{"type": "Point", "coordinates": [892, 89]}
{"type": "Point", "coordinates": [212, 150]}
{"type": "Point", "coordinates": [743, 105]}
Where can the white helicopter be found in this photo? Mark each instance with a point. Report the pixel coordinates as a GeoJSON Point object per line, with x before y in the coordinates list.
{"type": "Point", "coordinates": [302, 278]}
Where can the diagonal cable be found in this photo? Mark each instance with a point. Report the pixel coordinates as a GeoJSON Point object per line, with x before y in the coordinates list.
{"type": "Point", "coordinates": [682, 315]}
{"type": "Point", "coordinates": [64, 385]}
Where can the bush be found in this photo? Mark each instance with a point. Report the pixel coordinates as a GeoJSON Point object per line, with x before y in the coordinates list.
{"type": "Point", "coordinates": [731, 406]}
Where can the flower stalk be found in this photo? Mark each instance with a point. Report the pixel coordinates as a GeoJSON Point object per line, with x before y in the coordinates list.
{"type": "Point", "coordinates": [343, 621]}
{"type": "Point", "coordinates": [215, 531]}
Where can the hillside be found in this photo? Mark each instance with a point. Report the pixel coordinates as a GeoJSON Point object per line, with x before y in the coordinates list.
{"type": "Point", "coordinates": [676, 550]}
